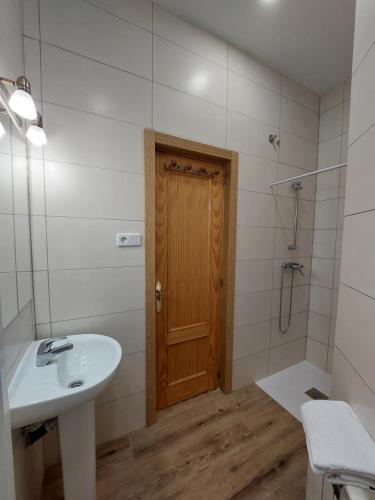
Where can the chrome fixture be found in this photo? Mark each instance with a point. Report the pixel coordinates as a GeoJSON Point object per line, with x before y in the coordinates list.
{"type": "Point", "coordinates": [272, 139]}
{"type": "Point", "coordinates": [20, 107]}
{"type": "Point", "coordinates": [315, 172]}
{"type": "Point", "coordinates": [288, 266]}
{"type": "Point", "coordinates": [46, 352]}
{"type": "Point", "coordinates": [297, 187]}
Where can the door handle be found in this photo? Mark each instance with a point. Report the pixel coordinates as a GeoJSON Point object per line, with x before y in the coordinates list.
{"type": "Point", "coordinates": [158, 294]}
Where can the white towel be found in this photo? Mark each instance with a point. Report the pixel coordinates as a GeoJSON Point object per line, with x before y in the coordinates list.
{"type": "Point", "coordinates": [337, 442]}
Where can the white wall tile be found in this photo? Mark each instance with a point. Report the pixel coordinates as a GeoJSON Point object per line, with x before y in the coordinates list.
{"type": "Point", "coordinates": [328, 185]}
{"type": "Point", "coordinates": [130, 378]}
{"type": "Point", "coordinates": [297, 329]}
{"type": "Point", "coordinates": [32, 65]}
{"type": "Point", "coordinates": [136, 11]}
{"type": "Point", "coordinates": [359, 246]}
{"type": "Point", "coordinates": [82, 28]}
{"type": "Point", "coordinates": [254, 243]}
{"type": "Point", "coordinates": [319, 327]}
{"type": "Point", "coordinates": [182, 70]}
{"type": "Point", "coordinates": [31, 18]}
{"type": "Point", "coordinates": [41, 291]}
{"type": "Point", "coordinates": [93, 192]}
{"type": "Point", "coordinates": [253, 276]}
{"type": "Point", "coordinates": [324, 243]}
{"type": "Point", "coordinates": [6, 184]}
{"type": "Point", "coordinates": [189, 117]}
{"type": "Point", "coordinates": [39, 242]}
{"type": "Point", "coordinates": [297, 151]}
{"type": "Point", "coordinates": [285, 213]}
{"type": "Point", "coordinates": [330, 125]}
{"type": "Point", "coordinates": [87, 292]}
{"type": "Point", "coordinates": [320, 300]}
{"type": "Point", "coordinates": [253, 100]}
{"type": "Point", "coordinates": [176, 30]}
{"type": "Point", "coordinates": [317, 353]}
{"type": "Point", "coordinates": [299, 94]}
{"type": "Point", "coordinates": [22, 242]}
{"type": "Point", "coordinates": [329, 153]}
{"type": "Point", "coordinates": [332, 98]}
{"type": "Point", "coordinates": [24, 288]}
{"type": "Point", "coordinates": [299, 120]}
{"type": "Point", "coordinates": [36, 183]}
{"type": "Point", "coordinates": [364, 33]}
{"type": "Point", "coordinates": [5, 143]}
{"type": "Point", "coordinates": [7, 243]}
{"type": "Point", "coordinates": [251, 339]}
{"type": "Point", "coordinates": [286, 355]}
{"type": "Point", "coordinates": [117, 418]}
{"type": "Point", "coordinates": [346, 116]}
{"type": "Point", "coordinates": [128, 328]}
{"type": "Point", "coordinates": [250, 369]}
{"type": "Point", "coordinates": [74, 243]}
{"type": "Point", "coordinates": [93, 140]}
{"type": "Point", "coordinates": [326, 214]}
{"type": "Point", "coordinates": [250, 136]}
{"type": "Point", "coordinates": [20, 185]}
{"type": "Point", "coordinates": [252, 69]}
{"type": "Point", "coordinates": [322, 272]}
{"type": "Point", "coordinates": [360, 175]}
{"type": "Point", "coordinates": [8, 298]}
{"type": "Point", "coordinates": [252, 308]}
{"type": "Point", "coordinates": [300, 301]}
{"type": "Point", "coordinates": [72, 80]}
{"type": "Point", "coordinates": [284, 237]}
{"type": "Point", "coordinates": [256, 174]}
{"type": "Point", "coordinates": [255, 209]}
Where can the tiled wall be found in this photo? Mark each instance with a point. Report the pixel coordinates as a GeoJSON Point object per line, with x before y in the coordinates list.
{"type": "Point", "coordinates": [353, 367]}
{"type": "Point", "coordinates": [16, 320]}
{"type": "Point", "coordinates": [16, 306]}
{"type": "Point", "coordinates": [329, 218]}
{"type": "Point", "coordinates": [105, 70]}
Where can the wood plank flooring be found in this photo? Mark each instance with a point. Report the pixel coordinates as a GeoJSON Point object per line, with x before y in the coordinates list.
{"type": "Point", "coordinates": [242, 445]}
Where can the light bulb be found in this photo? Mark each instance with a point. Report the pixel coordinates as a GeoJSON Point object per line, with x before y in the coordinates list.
{"type": "Point", "coordinates": [23, 104]}
{"type": "Point", "coordinates": [2, 130]}
{"type": "Point", "coordinates": [36, 135]}
{"type": "Point", "coordinates": [21, 101]}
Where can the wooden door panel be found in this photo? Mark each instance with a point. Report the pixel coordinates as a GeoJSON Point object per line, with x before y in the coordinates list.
{"type": "Point", "coordinates": [189, 232]}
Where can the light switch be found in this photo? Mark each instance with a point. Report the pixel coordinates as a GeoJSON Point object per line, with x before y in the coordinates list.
{"type": "Point", "coordinates": [129, 239]}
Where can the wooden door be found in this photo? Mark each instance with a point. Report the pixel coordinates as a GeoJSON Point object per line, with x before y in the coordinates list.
{"type": "Point", "coordinates": [189, 246]}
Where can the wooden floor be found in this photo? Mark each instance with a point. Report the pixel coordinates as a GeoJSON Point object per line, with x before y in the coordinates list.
{"type": "Point", "coordinates": [243, 445]}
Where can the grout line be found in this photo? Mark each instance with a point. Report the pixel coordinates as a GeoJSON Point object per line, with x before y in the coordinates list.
{"type": "Point", "coordinates": [362, 59]}
{"type": "Point", "coordinates": [93, 316]}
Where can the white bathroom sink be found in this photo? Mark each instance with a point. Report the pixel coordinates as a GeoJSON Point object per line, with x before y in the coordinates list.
{"type": "Point", "coordinates": [40, 393]}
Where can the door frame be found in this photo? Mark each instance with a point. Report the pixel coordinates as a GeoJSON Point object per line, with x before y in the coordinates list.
{"type": "Point", "coordinates": [153, 142]}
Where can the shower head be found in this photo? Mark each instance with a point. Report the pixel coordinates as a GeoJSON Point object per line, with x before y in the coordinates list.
{"type": "Point", "coordinates": [297, 185]}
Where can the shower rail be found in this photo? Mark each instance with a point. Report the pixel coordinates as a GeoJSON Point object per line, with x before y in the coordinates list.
{"type": "Point", "coordinates": [315, 172]}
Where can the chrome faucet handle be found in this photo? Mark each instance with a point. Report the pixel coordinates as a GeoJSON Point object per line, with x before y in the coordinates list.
{"type": "Point", "coordinates": [45, 346]}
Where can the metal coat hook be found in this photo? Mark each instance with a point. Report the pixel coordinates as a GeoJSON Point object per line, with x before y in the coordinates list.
{"type": "Point", "coordinates": [273, 139]}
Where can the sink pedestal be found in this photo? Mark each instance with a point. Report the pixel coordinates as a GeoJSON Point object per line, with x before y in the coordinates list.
{"type": "Point", "coordinates": [77, 442]}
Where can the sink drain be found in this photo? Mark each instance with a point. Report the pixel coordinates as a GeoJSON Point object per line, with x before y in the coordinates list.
{"type": "Point", "coordinates": [75, 383]}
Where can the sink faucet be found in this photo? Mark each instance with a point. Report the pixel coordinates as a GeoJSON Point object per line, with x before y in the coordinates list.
{"type": "Point", "coordinates": [46, 352]}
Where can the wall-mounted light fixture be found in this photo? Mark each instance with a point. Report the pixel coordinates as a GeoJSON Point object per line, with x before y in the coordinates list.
{"type": "Point", "coordinates": [2, 130]}
{"type": "Point", "coordinates": [20, 107]}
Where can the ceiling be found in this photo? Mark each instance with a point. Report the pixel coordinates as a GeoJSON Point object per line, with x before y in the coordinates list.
{"type": "Point", "coordinates": [309, 40]}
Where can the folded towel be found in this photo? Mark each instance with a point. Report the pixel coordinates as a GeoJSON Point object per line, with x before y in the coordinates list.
{"type": "Point", "coordinates": [337, 443]}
